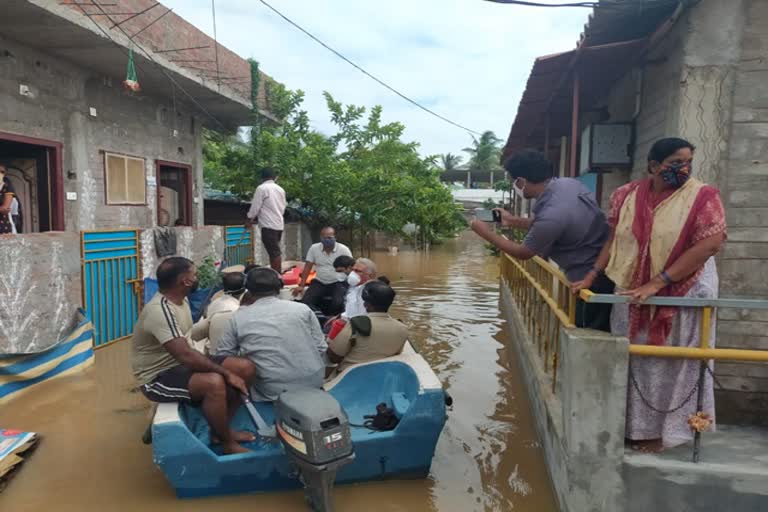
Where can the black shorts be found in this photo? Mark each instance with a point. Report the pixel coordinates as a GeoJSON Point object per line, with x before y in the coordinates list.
{"type": "Point", "coordinates": [271, 240]}
{"type": "Point", "coordinates": [172, 385]}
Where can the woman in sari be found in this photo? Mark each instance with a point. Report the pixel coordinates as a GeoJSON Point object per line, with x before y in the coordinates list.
{"type": "Point", "coordinates": [6, 202]}
{"type": "Point", "coordinates": [666, 230]}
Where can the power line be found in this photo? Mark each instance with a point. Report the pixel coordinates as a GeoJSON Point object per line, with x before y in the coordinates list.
{"type": "Point", "coordinates": [149, 56]}
{"type": "Point", "coordinates": [597, 5]}
{"type": "Point", "coordinates": [366, 73]}
{"type": "Point", "coordinates": [590, 5]}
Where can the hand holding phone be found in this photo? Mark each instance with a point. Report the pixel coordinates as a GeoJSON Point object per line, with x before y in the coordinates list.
{"type": "Point", "coordinates": [487, 215]}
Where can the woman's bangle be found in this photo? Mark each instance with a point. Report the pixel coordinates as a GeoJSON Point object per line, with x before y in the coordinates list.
{"type": "Point", "coordinates": [665, 277]}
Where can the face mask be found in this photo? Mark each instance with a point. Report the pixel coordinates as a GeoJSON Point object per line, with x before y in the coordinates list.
{"type": "Point", "coordinates": [520, 191]}
{"type": "Point", "coordinates": [328, 242]}
{"type": "Point", "coordinates": [354, 279]}
{"type": "Point", "coordinates": [676, 175]}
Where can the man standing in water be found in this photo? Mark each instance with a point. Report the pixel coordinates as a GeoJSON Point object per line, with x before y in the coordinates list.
{"type": "Point", "coordinates": [168, 369]}
{"type": "Point", "coordinates": [568, 226]}
{"type": "Point", "coordinates": [268, 206]}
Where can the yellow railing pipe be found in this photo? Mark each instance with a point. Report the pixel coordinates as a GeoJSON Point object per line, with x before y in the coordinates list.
{"type": "Point", "coordinates": [561, 315]}
{"type": "Point", "coordinates": [730, 354]}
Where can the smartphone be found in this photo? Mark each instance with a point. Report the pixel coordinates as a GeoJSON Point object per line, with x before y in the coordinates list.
{"type": "Point", "coordinates": [487, 215]}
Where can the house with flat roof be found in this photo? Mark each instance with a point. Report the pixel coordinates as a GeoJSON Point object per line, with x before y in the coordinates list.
{"type": "Point", "coordinates": [85, 151]}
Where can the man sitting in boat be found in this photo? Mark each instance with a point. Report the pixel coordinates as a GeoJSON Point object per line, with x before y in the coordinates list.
{"type": "Point", "coordinates": [363, 271]}
{"type": "Point", "coordinates": [219, 312]}
{"type": "Point", "coordinates": [371, 337]}
{"type": "Point", "coordinates": [343, 265]}
{"type": "Point", "coordinates": [328, 282]}
{"type": "Point", "coordinates": [281, 337]}
{"type": "Point", "coordinates": [168, 369]}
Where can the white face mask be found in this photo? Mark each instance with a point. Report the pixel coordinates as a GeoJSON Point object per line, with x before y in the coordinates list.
{"type": "Point", "coordinates": [354, 279]}
{"type": "Point", "coordinates": [520, 191]}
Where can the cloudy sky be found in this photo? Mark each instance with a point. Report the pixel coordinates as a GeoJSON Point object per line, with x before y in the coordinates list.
{"type": "Point", "coordinates": [465, 59]}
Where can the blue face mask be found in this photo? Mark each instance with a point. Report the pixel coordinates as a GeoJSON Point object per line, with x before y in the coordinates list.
{"type": "Point", "coordinates": [328, 242]}
{"type": "Point", "coordinates": [676, 174]}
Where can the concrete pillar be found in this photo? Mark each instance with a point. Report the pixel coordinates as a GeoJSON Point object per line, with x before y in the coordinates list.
{"type": "Point", "coordinates": [198, 181]}
{"type": "Point", "coordinates": [593, 389]}
{"type": "Point", "coordinates": [469, 179]}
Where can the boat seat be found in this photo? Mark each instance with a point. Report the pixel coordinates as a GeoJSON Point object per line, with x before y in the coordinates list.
{"type": "Point", "coordinates": [400, 404]}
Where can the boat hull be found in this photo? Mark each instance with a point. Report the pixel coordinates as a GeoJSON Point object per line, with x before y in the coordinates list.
{"type": "Point", "coordinates": [406, 383]}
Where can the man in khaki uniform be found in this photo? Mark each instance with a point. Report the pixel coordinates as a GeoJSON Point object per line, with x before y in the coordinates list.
{"type": "Point", "coordinates": [371, 337]}
{"type": "Point", "coordinates": [168, 369]}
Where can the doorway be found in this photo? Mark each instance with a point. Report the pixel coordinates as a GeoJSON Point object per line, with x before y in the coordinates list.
{"type": "Point", "coordinates": [174, 194]}
{"type": "Point", "coordinates": [34, 170]}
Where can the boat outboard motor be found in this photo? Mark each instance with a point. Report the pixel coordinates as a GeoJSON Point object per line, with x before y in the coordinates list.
{"type": "Point", "coordinates": [314, 430]}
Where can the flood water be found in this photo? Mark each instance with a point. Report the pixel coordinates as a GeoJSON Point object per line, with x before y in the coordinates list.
{"type": "Point", "coordinates": [488, 457]}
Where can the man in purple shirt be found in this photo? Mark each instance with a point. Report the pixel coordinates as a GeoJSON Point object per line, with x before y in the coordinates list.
{"type": "Point", "coordinates": [568, 226]}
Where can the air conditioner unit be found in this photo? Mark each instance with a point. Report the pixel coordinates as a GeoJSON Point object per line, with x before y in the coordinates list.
{"type": "Point", "coordinates": [605, 146]}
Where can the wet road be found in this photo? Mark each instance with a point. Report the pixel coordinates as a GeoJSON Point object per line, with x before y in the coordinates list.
{"type": "Point", "coordinates": [488, 458]}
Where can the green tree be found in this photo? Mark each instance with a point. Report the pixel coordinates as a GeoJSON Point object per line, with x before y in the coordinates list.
{"type": "Point", "coordinates": [363, 176]}
{"type": "Point", "coordinates": [450, 161]}
{"type": "Point", "coordinates": [485, 152]}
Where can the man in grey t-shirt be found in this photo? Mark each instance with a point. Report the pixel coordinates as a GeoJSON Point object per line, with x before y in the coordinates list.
{"type": "Point", "coordinates": [568, 226]}
{"type": "Point", "coordinates": [282, 338]}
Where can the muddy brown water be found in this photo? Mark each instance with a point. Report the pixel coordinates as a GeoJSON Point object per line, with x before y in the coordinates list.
{"type": "Point", "coordinates": [488, 457]}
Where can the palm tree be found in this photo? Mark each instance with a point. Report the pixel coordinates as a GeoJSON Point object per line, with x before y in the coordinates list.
{"type": "Point", "coordinates": [485, 152]}
{"type": "Point", "coordinates": [450, 161]}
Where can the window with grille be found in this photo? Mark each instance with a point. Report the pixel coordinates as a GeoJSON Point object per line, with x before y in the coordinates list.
{"type": "Point", "coordinates": [125, 179]}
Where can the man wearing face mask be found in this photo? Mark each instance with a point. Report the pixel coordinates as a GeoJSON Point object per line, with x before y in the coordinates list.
{"type": "Point", "coordinates": [328, 283]}
{"type": "Point", "coordinates": [168, 369]}
{"type": "Point", "coordinates": [568, 226]}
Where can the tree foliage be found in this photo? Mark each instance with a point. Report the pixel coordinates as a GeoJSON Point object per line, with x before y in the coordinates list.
{"type": "Point", "coordinates": [450, 161]}
{"type": "Point", "coordinates": [363, 176]}
{"type": "Point", "coordinates": [485, 152]}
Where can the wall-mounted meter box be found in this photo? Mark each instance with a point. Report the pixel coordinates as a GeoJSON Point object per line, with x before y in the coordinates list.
{"type": "Point", "coordinates": [605, 146]}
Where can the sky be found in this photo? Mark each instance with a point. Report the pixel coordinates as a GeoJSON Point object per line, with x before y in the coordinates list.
{"type": "Point", "coordinates": [468, 60]}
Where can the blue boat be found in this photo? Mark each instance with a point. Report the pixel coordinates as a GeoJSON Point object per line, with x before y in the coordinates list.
{"type": "Point", "coordinates": [406, 383]}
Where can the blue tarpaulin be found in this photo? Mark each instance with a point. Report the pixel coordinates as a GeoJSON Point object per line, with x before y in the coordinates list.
{"type": "Point", "coordinates": [197, 300]}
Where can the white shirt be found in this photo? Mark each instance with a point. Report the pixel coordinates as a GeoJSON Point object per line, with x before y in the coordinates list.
{"type": "Point", "coordinates": [268, 205]}
{"type": "Point", "coordinates": [354, 305]}
{"type": "Point", "coordinates": [323, 261]}
{"type": "Point", "coordinates": [225, 303]}
{"type": "Point", "coordinates": [14, 211]}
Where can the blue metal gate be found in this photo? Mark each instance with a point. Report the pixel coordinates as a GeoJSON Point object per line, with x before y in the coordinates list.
{"type": "Point", "coordinates": [111, 282]}
{"type": "Point", "coordinates": [238, 245]}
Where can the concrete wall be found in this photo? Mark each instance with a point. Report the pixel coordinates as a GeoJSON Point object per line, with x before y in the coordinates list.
{"type": "Point", "coordinates": [581, 430]}
{"type": "Point", "coordinates": [706, 82]}
{"type": "Point", "coordinates": [208, 241]}
{"type": "Point", "coordinates": [743, 262]}
{"type": "Point", "coordinates": [581, 426]}
{"type": "Point", "coordinates": [193, 243]}
{"type": "Point", "coordinates": [58, 109]}
{"type": "Point", "coordinates": [40, 289]}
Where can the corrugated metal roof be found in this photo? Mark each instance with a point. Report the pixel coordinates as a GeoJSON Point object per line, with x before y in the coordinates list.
{"type": "Point", "coordinates": [622, 20]}
{"type": "Point", "coordinates": [549, 90]}
{"type": "Point", "coordinates": [611, 40]}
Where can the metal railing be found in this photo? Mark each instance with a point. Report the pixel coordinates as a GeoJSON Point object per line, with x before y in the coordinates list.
{"type": "Point", "coordinates": [543, 295]}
